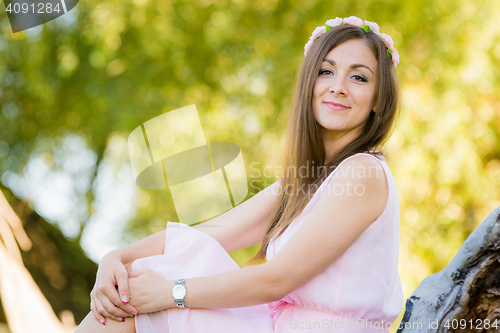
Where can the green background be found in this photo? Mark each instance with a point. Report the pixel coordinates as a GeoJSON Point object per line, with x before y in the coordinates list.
{"type": "Point", "coordinates": [121, 63]}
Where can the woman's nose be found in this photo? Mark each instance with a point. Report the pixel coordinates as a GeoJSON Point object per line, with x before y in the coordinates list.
{"type": "Point", "coordinates": [337, 86]}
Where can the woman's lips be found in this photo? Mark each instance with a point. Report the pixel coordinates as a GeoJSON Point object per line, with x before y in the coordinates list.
{"type": "Point", "coordinates": [335, 106]}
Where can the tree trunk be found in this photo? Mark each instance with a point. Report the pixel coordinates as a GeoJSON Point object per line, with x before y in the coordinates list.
{"type": "Point", "coordinates": [465, 295]}
{"type": "Point", "coordinates": [49, 274]}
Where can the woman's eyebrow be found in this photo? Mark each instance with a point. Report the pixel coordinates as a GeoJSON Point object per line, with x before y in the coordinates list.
{"type": "Point", "coordinates": [332, 62]}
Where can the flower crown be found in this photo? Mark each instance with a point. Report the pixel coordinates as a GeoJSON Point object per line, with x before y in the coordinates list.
{"type": "Point", "coordinates": [355, 21]}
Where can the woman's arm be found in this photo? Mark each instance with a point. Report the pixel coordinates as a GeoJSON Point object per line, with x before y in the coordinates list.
{"type": "Point", "coordinates": [335, 222]}
{"type": "Point", "coordinates": [150, 246]}
{"type": "Point", "coordinates": [252, 285]}
{"type": "Point", "coordinates": [244, 225]}
{"type": "Point", "coordinates": [240, 227]}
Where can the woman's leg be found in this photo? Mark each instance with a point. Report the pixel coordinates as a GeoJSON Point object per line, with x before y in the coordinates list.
{"type": "Point", "coordinates": [90, 325]}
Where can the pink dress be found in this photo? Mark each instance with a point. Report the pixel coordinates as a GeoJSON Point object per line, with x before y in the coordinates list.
{"type": "Point", "coordinates": [360, 292]}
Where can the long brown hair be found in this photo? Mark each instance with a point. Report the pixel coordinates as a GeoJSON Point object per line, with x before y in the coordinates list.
{"type": "Point", "coordinates": [304, 146]}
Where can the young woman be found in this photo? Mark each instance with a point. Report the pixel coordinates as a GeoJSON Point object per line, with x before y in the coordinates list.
{"type": "Point", "coordinates": [330, 237]}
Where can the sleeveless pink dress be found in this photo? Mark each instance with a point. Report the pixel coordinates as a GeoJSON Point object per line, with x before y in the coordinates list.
{"type": "Point", "coordinates": [360, 292]}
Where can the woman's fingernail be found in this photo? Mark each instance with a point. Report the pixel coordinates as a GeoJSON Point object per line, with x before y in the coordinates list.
{"type": "Point", "coordinates": [125, 299]}
{"type": "Point", "coordinates": [102, 321]}
{"type": "Point", "coordinates": [137, 314]}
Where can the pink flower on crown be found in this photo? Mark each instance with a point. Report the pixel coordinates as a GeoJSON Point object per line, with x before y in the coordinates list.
{"type": "Point", "coordinates": [318, 32]}
{"type": "Point", "coordinates": [388, 41]}
{"type": "Point", "coordinates": [353, 20]}
{"type": "Point", "coordinates": [373, 26]}
{"type": "Point", "coordinates": [334, 22]}
{"type": "Point", "coordinates": [395, 58]}
{"type": "Point", "coordinates": [308, 46]}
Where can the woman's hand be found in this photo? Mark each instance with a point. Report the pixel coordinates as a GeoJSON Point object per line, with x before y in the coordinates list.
{"type": "Point", "coordinates": [105, 300]}
{"type": "Point", "coordinates": [149, 291]}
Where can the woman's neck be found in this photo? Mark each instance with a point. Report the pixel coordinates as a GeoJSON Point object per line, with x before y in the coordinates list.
{"type": "Point", "coordinates": [335, 141]}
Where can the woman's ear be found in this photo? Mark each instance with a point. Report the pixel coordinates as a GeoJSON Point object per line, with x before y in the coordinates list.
{"type": "Point", "coordinates": [375, 104]}
{"type": "Point", "coordinates": [375, 108]}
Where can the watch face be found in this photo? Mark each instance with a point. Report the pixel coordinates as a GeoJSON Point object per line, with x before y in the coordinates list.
{"type": "Point", "coordinates": [179, 291]}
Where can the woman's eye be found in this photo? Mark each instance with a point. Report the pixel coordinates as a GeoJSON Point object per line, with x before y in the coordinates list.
{"type": "Point", "coordinates": [359, 78]}
{"type": "Point", "coordinates": [323, 71]}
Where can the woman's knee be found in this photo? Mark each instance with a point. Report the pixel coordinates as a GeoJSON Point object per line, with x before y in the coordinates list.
{"type": "Point", "coordinates": [91, 325]}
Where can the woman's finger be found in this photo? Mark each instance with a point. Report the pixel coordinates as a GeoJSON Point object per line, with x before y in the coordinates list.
{"type": "Point", "coordinates": [124, 294]}
{"type": "Point", "coordinates": [97, 315]}
{"type": "Point", "coordinates": [112, 310]}
{"type": "Point", "coordinates": [122, 289]}
{"type": "Point", "coordinates": [111, 293]}
{"type": "Point", "coordinates": [104, 312]}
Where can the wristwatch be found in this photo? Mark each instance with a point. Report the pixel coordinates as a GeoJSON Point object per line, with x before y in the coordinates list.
{"type": "Point", "coordinates": [179, 293]}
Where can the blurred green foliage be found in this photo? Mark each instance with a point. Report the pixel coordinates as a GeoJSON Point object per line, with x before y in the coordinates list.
{"type": "Point", "coordinates": [121, 63]}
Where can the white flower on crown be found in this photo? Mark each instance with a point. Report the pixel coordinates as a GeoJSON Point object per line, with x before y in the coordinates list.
{"type": "Point", "coordinates": [353, 20]}
{"type": "Point", "coordinates": [318, 32]}
{"type": "Point", "coordinates": [373, 26]}
{"type": "Point", "coordinates": [308, 46]}
{"type": "Point", "coordinates": [388, 41]}
{"type": "Point", "coordinates": [334, 22]}
{"type": "Point", "coordinates": [395, 58]}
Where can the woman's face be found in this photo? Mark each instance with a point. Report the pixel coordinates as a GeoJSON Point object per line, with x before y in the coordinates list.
{"type": "Point", "coordinates": [345, 89]}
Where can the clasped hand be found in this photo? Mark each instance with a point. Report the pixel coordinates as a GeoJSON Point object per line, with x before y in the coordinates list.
{"type": "Point", "coordinates": [139, 291]}
{"type": "Point", "coordinates": [149, 291]}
